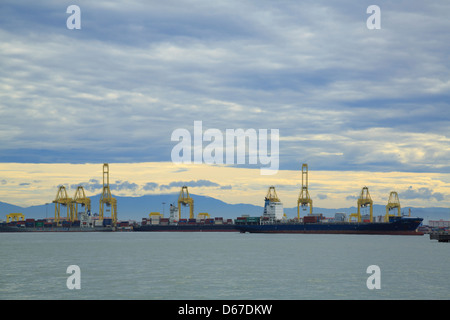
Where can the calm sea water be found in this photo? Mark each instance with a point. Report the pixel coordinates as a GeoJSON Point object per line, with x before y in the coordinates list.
{"type": "Point", "coordinates": [221, 266]}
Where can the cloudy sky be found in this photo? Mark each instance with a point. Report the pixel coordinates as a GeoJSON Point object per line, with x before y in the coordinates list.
{"type": "Point", "coordinates": [361, 107]}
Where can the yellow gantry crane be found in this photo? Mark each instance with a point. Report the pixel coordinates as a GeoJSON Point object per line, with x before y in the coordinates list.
{"type": "Point", "coordinates": [393, 203]}
{"type": "Point", "coordinates": [15, 217]}
{"type": "Point", "coordinates": [304, 199]}
{"type": "Point", "coordinates": [364, 200]}
{"type": "Point", "coordinates": [106, 198]}
{"type": "Point", "coordinates": [185, 199]}
{"type": "Point", "coordinates": [80, 198]}
{"type": "Point", "coordinates": [272, 195]}
{"type": "Point", "coordinates": [63, 199]}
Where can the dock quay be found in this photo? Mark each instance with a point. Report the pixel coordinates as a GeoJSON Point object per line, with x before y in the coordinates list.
{"type": "Point", "coordinates": [440, 236]}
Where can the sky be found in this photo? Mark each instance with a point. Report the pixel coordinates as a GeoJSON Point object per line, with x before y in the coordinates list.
{"type": "Point", "coordinates": [362, 107]}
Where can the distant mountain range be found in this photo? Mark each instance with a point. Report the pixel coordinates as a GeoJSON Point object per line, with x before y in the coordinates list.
{"type": "Point", "coordinates": [136, 208]}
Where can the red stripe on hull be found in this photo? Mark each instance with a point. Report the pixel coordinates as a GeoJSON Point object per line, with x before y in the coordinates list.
{"type": "Point", "coordinates": [406, 233]}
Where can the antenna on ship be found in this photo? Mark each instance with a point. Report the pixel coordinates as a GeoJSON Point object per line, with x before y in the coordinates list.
{"type": "Point", "coordinates": [304, 199]}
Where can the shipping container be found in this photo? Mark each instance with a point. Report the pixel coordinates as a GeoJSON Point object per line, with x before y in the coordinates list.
{"type": "Point", "coordinates": [98, 223]}
{"type": "Point", "coordinates": [310, 219]}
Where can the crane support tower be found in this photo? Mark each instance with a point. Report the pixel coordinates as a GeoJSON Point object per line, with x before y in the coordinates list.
{"type": "Point", "coordinates": [15, 217]}
{"type": "Point", "coordinates": [80, 198]}
{"type": "Point", "coordinates": [63, 199]}
{"type": "Point", "coordinates": [393, 203]}
{"type": "Point", "coordinates": [364, 200]}
{"type": "Point", "coordinates": [185, 199]}
{"type": "Point", "coordinates": [304, 199]}
{"type": "Point", "coordinates": [106, 198]}
{"type": "Point", "coordinates": [272, 195]}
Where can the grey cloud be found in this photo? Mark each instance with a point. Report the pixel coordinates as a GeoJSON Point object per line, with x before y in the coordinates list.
{"type": "Point", "coordinates": [137, 71]}
{"type": "Point", "coordinates": [123, 185]}
{"type": "Point", "coordinates": [421, 193]}
{"type": "Point", "coordinates": [150, 186]}
{"type": "Point", "coordinates": [192, 183]}
{"type": "Point", "coordinates": [93, 185]}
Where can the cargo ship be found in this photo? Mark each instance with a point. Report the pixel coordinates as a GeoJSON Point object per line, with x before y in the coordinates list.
{"type": "Point", "coordinates": [197, 227]}
{"type": "Point", "coordinates": [156, 222]}
{"type": "Point", "coordinates": [396, 226]}
{"type": "Point", "coordinates": [43, 225]}
{"type": "Point", "coordinates": [274, 220]}
{"type": "Point", "coordinates": [186, 225]}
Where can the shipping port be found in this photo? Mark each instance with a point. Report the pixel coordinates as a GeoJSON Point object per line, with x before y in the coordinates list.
{"type": "Point", "coordinates": [272, 220]}
{"type": "Point", "coordinates": [75, 221]}
{"type": "Point", "coordinates": [203, 222]}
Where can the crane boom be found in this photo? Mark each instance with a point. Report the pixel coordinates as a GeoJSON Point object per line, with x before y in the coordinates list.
{"type": "Point", "coordinates": [106, 198]}
{"type": "Point", "coordinates": [393, 203]}
{"type": "Point", "coordinates": [80, 198]}
{"type": "Point", "coordinates": [304, 198]}
{"type": "Point", "coordinates": [185, 199]}
{"type": "Point", "coordinates": [364, 200]}
{"type": "Point", "coordinates": [63, 199]}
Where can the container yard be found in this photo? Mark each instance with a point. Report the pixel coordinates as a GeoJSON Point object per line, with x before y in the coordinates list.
{"type": "Point", "coordinates": [156, 222]}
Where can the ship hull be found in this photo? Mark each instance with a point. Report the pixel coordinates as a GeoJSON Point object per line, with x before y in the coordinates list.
{"type": "Point", "coordinates": [398, 227]}
{"type": "Point", "coordinates": [54, 229]}
{"type": "Point", "coordinates": [187, 228]}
